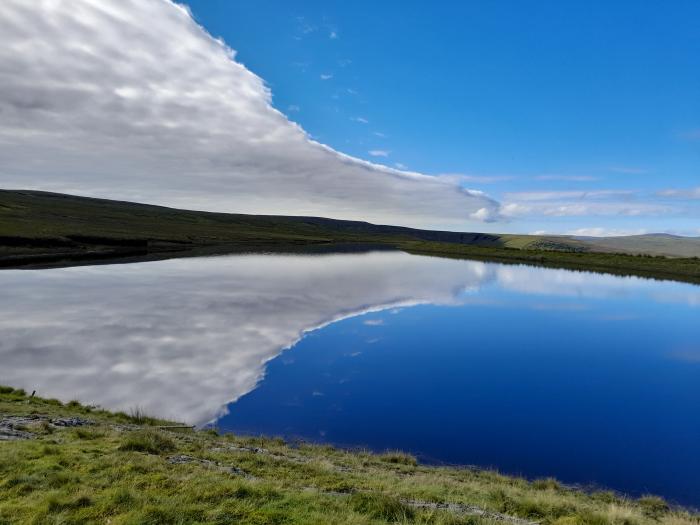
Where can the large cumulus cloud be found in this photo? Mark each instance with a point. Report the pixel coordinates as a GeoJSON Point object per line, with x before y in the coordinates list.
{"type": "Point", "coordinates": [132, 99]}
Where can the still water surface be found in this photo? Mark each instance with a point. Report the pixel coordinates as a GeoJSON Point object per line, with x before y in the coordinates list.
{"type": "Point", "coordinates": [593, 379]}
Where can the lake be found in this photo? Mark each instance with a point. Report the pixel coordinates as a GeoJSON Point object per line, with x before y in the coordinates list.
{"type": "Point", "coordinates": [593, 379]}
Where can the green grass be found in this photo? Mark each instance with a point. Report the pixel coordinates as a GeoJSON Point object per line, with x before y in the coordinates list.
{"type": "Point", "coordinates": [121, 472]}
{"type": "Point", "coordinates": [656, 267]}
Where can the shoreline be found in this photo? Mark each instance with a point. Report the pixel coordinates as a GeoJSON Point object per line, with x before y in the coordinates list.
{"type": "Point", "coordinates": [79, 463]}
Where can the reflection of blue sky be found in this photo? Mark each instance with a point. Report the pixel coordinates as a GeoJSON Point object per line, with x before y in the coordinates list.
{"type": "Point", "coordinates": [531, 383]}
{"type": "Point", "coordinates": [182, 338]}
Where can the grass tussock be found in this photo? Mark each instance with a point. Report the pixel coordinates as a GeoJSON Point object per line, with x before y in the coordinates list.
{"type": "Point", "coordinates": [88, 433]}
{"type": "Point", "coordinates": [149, 441]}
{"type": "Point", "coordinates": [381, 506]}
{"type": "Point", "coordinates": [654, 506]}
{"type": "Point", "coordinates": [547, 484]}
{"type": "Point", "coordinates": [115, 471]}
{"type": "Point", "coordinates": [399, 458]}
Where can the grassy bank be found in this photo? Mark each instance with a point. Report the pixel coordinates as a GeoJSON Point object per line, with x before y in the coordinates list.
{"type": "Point", "coordinates": [67, 463]}
{"type": "Point", "coordinates": [655, 267]}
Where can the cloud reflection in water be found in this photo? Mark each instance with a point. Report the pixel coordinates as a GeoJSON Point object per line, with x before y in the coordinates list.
{"type": "Point", "coordinates": [185, 337]}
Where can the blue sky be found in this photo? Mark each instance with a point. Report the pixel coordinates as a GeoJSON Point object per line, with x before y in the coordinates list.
{"type": "Point", "coordinates": [580, 115]}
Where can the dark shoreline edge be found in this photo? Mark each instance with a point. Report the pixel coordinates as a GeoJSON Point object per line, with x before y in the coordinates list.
{"type": "Point", "coordinates": [621, 265]}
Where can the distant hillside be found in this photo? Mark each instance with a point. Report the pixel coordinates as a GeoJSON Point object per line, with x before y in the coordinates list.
{"type": "Point", "coordinates": [40, 229]}
{"type": "Point", "coordinates": [36, 219]}
{"type": "Point", "coordinates": [652, 244]}
{"type": "Point", "coordinates": [52, 219]}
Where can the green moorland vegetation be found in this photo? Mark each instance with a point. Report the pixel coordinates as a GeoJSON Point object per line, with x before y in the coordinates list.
{"type": "Point", "coordinates": [39, 229]}
{"type": "Point", "coordinates": [69, 463]}
{"type": "Point", "coordinates": [685, 269]}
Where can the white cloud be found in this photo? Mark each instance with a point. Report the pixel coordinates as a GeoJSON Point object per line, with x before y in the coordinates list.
{"type": "Point", "coordinates": [98, 100]}
{"type": "Point", "coordinates": [485, 179]}
{"type": "Point", "coordinates": [580, 203]}
{"type": "Point", "coordinates": [326, 76]}
{"type": "Point", "coordinates": [578, 195]}
{"type": "Point", "coordinates": [483, 214]}
{"type": "Point", "coordinates": [689, 193]}
{"type": "Point", "coordinates": [379, 152]}
{"type": "Point", "coordinates": [605, 232]}
{"type": "Point", "coordinates": [400, 166]}
{"type": "Point", "coordinates": [361, 120]}
{"type": "Point", "coordinates": [333, 35]}
{"type": "Point", "coordinates": [304, 26]}
{"type": "Point", "coordinates": [573, 209]}
{"type": "Point", "coordinates": [572, 178]}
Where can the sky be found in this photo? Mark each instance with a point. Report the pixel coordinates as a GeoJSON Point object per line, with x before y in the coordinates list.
{"type": "Point", "coordinates": [558, 117]}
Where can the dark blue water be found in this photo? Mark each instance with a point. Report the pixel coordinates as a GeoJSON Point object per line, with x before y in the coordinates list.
{"type": "Point", "coordinates": [602, 390]}
{"type": "Point", "coordinates": [590, 378]}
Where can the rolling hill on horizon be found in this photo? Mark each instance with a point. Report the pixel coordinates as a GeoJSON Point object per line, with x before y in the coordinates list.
{"type": "Point", "coordinates": [46, 219]}
{"type": "Point", "coordinates": [39, 229]}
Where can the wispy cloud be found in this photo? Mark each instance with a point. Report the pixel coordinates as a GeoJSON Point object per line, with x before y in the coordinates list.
{"type": "Point", "coordinates": [605, 232]}
{"type": "Point", "coordinates": [379, 152]}
{"type": "Point", "coordinates": [304, 27]}
{"type": "Point", "coordinates": [580, 203]}
{"type": "Point", "coordinates": [293, 108]}
{"type": "Point", "coordinates": [361, 120]}
{"type": "Point", "coordinates": [301, 65]}
{"type": "Point", "coordinates": [572, 195]}
{"type": "Point", "coordinates": [687, 193]}
{"type": "Point", "coordinates": [379, 134]}
{"type": "Point", "coordinates": [572, 178]}
{"type": "Point", "coordinates": [516, 209]}
{"type": "Point", "coordinates": [333, 35]}
{"type": "Point", "coordinates": [326, 76]}
{"type": "Point", "coordinates": [373, 322]}
{"type": "Point", "coordinates": [485, 179]}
